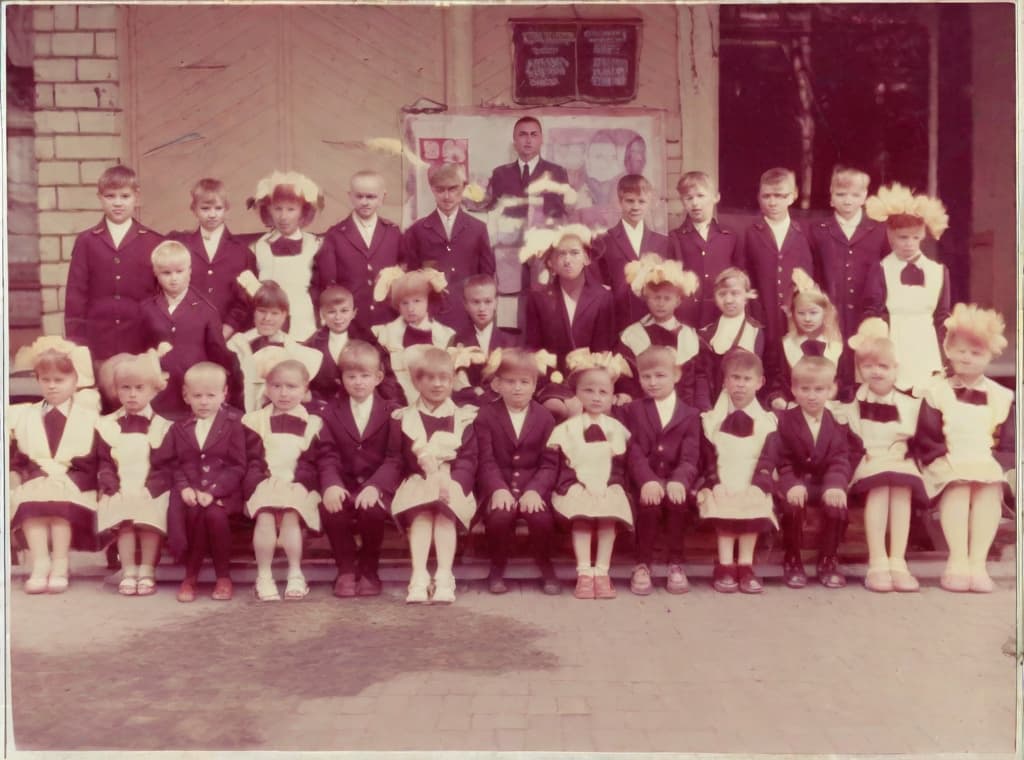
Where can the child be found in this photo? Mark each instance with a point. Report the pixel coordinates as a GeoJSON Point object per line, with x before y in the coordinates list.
{"type": "Point", "coordinates": [283, 483]}
{"type": "Point", "coordinates": [966, 420]}
{"type": "Point", "coordinates": [516, 471]}
{"type": "Point", "coordinates": [218, 257]}
{"type": "Point", "coordinates": [590, 490]}
{"type": "Point", "coordinates": [133, 496]}
{"type": "Point", "coordinates": [53, 462]}
{"type": "Point", "coordinates": [811, 454]}
{"type": "Point", "coordinates": [570, 311]}
{"type": "Point", "coordinates": [180, 316]}
{"type": "Point", "coordinates": [813, 331]}
{"type": "Point", "coordinates": [847, 251]}
{"type": "Point", "coordinates": [480, 298]}
{"type": "Point", "coordinates": [662, 465]}
{"type": "Point", "coordinates": [734, 328]}
{"type": "Point", "coordinates": [734, 435]}
{"type": "Point", "coordinates": [288, 203]}
{"type": "Point", "coordinates": [663, 285]}
{"type": "Point", "coordinates": [916, 289]}
{"type": "Point", "coordinates": [884, 421]}
{"type": "Point", "coordinates": [412, 294]}
{"type": "Point", "coordinates": [110, 273]}
{"type": "Point", "coordinates": [353, 444]}
{"type": "Point", "coordinates": [449, 240]}
{"type": "Point", "coordinates": [701, 245]}
{"type": "Point", "coordinates": [773, 246]}
{"type": "Point", "coordinates": [356, 249]}
{"type": "Point", "coordinates": [432, 460]}
{"type": "Point", "coordinates": [338, 315]}
{"type": "Point", "coordinates": [270, 312]}
{"type": "Point", "coordinates": [208, 455]}
{"type": "Point", "coordinates": [627, 241]}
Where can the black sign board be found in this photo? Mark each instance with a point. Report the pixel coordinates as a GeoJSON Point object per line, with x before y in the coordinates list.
{"type": "Point", "coordinates": [589, 60]}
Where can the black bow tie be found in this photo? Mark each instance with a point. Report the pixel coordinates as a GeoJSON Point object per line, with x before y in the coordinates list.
{"type": "Point", "coordinates": [262, 342]}
{"type": "Point", "coordinates": [286, 247]}
{"type": "Point", "coordinates": [971, 396]}
{"type": "Point", "coordinates": [813, 347]}
{"type": "Point", "coordinates": [287, 423]}
{"type": "Point", "coordinates": [134, 423]}
{"type": "Point", "coordinates": [53, 423]}
{"type": "Point", "coordinates": [414, 336]}
{"type": "Point", "coordinates": [739, 424]}
{"type": "Point", "coordinates": [912, 274]}
{"type": "Point", "coordinates": [594, 433]}
{"type": "Point", "coordinates": [877, 412]}
{"type": "Point", "coordinates": [662, 336]}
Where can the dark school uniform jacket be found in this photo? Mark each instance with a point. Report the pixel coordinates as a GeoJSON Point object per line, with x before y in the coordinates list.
{"type": "Point", "coordinates": [616, 252]}
{"type": "Point", "coordinates": [478, 392]}
{"type": "Point", "coordinates": [709, 380]}
{"type": "Point", "coordinates": [706, 259]}
{"type": "Point", "coordinates": [662, 454]}
{"type": "Point", "coordinates": [195, 334]}
{"type": "Point", "coordinates": [800, 460]}
{"type": "Point", "coordinates": [507, 181]}
{"type": "Point", "coordinates": [547, 322]}
{"type": "Point", "coordinates": [516, 463]}
{"type": "Point", "coordinates": [326, 384]}
{"type": "Point", "coordinates": [106, 285]}
{"type": "Point", "coordinates": [771, 271]}
{"type": "Point", "coordinates": [467, 253]}
{"type": "Point", "coordinates": [345, 457]}
{"type": "Point", "coordinates": [344, 259]}
{"type": "Point", "coordinates": [216, 280]}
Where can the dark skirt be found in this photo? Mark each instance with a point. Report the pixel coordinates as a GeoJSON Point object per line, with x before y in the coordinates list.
{"type": "Point", "coordinates": [81, 519]}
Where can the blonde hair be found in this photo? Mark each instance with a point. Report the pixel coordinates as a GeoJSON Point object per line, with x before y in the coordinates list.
{"type": "Point", "coordinates": [813, 366]}
{"type": "Point", "coordinates": [170, 250]}
{"type": "Point", "coordinates": [204, 371]}
{"type": "Point", "coordinates": [847, 175]}
{"type": "Point", "coordinates": [984, 327]}
{"type": "Point", "coordinates": [431, 359]}
{"type": "Point", "coordinates": [830, 323]}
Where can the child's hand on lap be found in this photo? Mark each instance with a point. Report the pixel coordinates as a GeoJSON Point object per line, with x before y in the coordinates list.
{"type": "Point", "coordinates": [835, 497]}
{"type": "Point", "coordinates": [188, 495]}
{"type": "Point", "coordinates": [204, 498]}
{"type": "Point", "coordinates": [503, 499]}
{"type": "Point", "coordinates": [334, 497]}
{"type": "Point", "coordinates": [367, 498]}
{"type": "Point", "coordinates": [531, 502]}
{"type": "Point", "coordinates": [797, 496]}
{"type": "Point", "coordinates": [651, 493]}
{"type": "Point", "coordinates": [676, 492]}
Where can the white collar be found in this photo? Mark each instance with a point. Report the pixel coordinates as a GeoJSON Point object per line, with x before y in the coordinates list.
{"type": "Point", "coordinates": [778, 226]}
{"type": "Point", "coordinates": [147, 412]}
{"type": "Point", "coordinates": [484, 332]}
{"type": "Point", "coordinates": [212, 237]}
{"type": "Point", "coordinates": [367, 225]}
{"type": "Point", "coordinates": [850, 224]}
{"type": "Point", "coordinates": [64, 407]}
{"type": "Point", "coordinates": [426, 324]}
{"type": "Point", "coordinates": [449, 220]}
{"type": "Point", "coordinates": [446, 409]}
{"type": "Point", "coordinates": [119, 227]}
{"type": "Point", "coordinates": [666, 407]}
{"type": "Point", "coordinates": [173, 303]}
{"type": "Point", "coordinates": [297, 235]}
{"type": "Point", "coordinates": [532, 163]}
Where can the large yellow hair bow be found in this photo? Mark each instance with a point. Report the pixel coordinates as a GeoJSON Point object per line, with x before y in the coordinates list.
{"type": "Point", "coordinates": [652, 269]}
{"type": "Point", "coordinates": [583, 359]}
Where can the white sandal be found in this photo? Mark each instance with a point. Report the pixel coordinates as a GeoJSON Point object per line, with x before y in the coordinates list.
{"type": "Point", "coordinates": [265, 589]}
{"type": "Point", "coordinates": [129, 585]}
{"type": "Point", "coordinates": [296, 588]}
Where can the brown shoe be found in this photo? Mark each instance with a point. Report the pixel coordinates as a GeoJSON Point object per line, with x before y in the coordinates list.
{"type": "Point", "coordinates": [793, 574]}
{"type": "Point", "coordinates": [723, 578]}
{"type": "Point", "coordinates": [748, 582]}
{"type": "Point", "coordinates": [368, 586]}
{"type": "Point", "coordinates": [223, 590]}
{"type": "Point", "coordinates": [187, 590]}
{"type": "Point", "coordinates": [828, 573]}
{"type": "Point", "coordinates": [345, 586]}
{"type": "Point", "coordinates": [584, 587]}
{"type": "Point", "coordinates": [603, 587]}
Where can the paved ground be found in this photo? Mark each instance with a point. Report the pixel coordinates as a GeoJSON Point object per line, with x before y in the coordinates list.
{"type": "Point", "coordinates": [807, 671]}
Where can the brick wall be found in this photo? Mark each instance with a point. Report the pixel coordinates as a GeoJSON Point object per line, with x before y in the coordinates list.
{"type": "Point", "coordinates": [78, 125]}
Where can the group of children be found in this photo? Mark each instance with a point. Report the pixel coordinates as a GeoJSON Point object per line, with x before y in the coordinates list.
{"type": "Point", "coordinates": [752, 377]}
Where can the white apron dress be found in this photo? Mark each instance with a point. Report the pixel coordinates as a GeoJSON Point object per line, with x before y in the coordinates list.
{"type": "Point", "coordinates": [252, 383]}
{"type": "Point", "coordinates": [131, 452]}
{"type": "Point", "coordinates": [282, 452]}
{"type": "Point", "coordinates": [637, 340]}
{"type": "Point", "coordinates": [968, 430]}
{"type": "Point", "coordinates": [885, 461]}
{"type": "Point", "coordinates": [435, 456]}
{"type": "Point", "coordinates": [390, 336]}
{"type": "Point", "coordinates": [592, 497]}
{"type": "Point", "coordinates": [911, 320]}
{"type": "Point", "coordinates": [293, 274]}
{"type": "Point", "coordinates": [734, 504]}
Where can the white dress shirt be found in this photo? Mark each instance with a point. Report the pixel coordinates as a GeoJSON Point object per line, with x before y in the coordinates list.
{"type": "Point", "coordinates": [849, 226]}
{"type": "Point", "coordinates": [483, 337]}
{"type": "Point", "coordinates": [814, 423]}
{"type": "Point", "coordinates": [203, 426]}
{"type": "Point", "coordinates": [635, 235]}
{"type": "Point", "coordinates": [361, 412]}
{"type": "Point", "coordinates": [118, 231]}
{"type": "Point", "coordinates": [666, 408]}
{"type": "Point", "coordinates": [448, 222]}
{"type": "Point", "coordinates": [779, 230]}
{"type": "Point", "coordinates": [211, 240]}
{"type": "Point", "coordinates": [366, 229]}
{"type": "Point", "coordinates": [518, 419]}
{"type": "Point", "coordinates": [702, 229]}
{"type": "Point", "coordinates": [336, 342]}
{"type": "Point", "coordinates": [173, 303]}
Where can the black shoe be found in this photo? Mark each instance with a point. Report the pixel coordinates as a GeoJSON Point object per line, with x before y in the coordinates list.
{"type": "Point", "coordinates": [828, 573]}
{"type": "Point", "coordinates": [496, 583]}
{"type": "Point", "coordinates": [793, 574]}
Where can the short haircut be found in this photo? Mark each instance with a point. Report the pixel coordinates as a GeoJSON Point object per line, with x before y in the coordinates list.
{"type": "Point", "coordinates": [778, 176]}
{"type": "Point", "coordinates": [208, 189]}
{"type": "Point", "coordinates": [732, 273]}
{"type": "Point", "coordinates": [479, 281]}
{"type": "Point", "coordinates": [431, 359]}
{"type": "Point", "coordinates": [170, 250]}
{"type": "Point", "coordinates": [656, 356]}
{"type": "Point", "coordinates": [287, 364]}
{"type": "Point", "coordinates": [634, 183]}
{"type": "Point", "coordinates": [742, 360]}
{"type": "Point", "coordinates": [809, 367]}
{"type": "Point", "coordinates": [333, 295]}
{"type": "Point", "coordinates": [53, 360]}
{"type": "Point", "coordinates": [116, 177]}
{"type": "Point", "coordinates": [205, 370]}
{"type": "Point", "coordinates": [527, 120]}
{"type": "Point", "coordinates": [120, 367]}
{"type": "Point", "coordinates": [695, 179]}
{"type": "Point", "coordinates": [358, 354]}
{"type": "Point", "coordinates": [592, 250]}
{"type": "Point", "coordinates": [270, 296]}
{"type": "Point", "coordinates": [517, 360]}
{"type": "Point", "coordinates": [849, 175]}
{"type": "Point", "coordinates": [446, 173]}
{"type": "Point", "coordinates": [367, 174]}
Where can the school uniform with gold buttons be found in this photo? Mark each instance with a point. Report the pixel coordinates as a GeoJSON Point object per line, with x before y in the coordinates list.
{"type": "Point", "coordinates": [705, 251]}
{"type": "Point", "coordinates": [619, 246]}
{"type": "Point", "coordinates": [218, 258]}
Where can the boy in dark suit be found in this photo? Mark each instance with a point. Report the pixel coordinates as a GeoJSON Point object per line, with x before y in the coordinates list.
{"type": "Point", "coordinates": [626, 242]}
{"type": "Point", "coordinates": [209, 454]}
{"type": "Point", "coordinates": [449, 240]}
{"type": "Point", "coordinates": [516, 469]}
{"type": "Point", "coordinates": [661, 462]}
{"type": "Point", "coordinates": [811, 453]}
{"type": "Point", "coordinates": [110, 272]}
{"type": "Point", "coordinates": [357, 248]}
{"type": "Point", "coordinates": [773, 246]}
{"type": "Point", "coordinates": [352, 446]}
{"type": "Point", "coordinates": [218, 257]}
{"type": "Point", "coordinates": [180, 316]}
{"type": "Point", "coordinates": [480, 298]}
{"type": "Point", "coordinates": [702, 245]}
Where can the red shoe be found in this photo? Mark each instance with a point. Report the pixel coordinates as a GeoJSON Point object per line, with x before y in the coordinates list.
{"type": "Point", "coordinates": [723, 579]}
{"type": "Point", "coordinates": [603, 587]}
{"type": "Point", "coordinates": [345, 586]}
{"type": "Point", "coordinates": [223, 590]}
{"type": "Point", "coordinates": [368, 586]}
{"type": "Point", "coordinates": [584, 587]}
{"type": "Point", "coordinates": [748, 582]}
{"type": "Point", "coordinates": [187, 590]}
